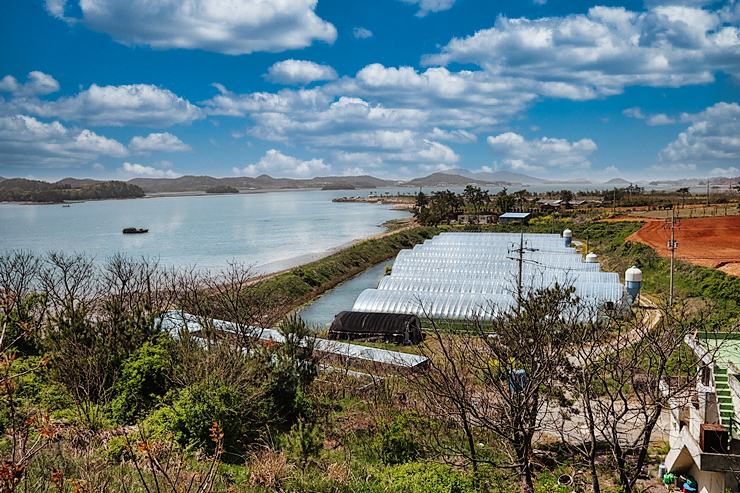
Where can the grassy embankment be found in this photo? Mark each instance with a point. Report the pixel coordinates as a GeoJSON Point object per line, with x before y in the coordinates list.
{"type": "Point", "coordinates": [301, 284]}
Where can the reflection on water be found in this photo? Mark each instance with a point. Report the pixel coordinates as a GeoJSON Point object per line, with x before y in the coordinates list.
{"type": "Point", "coordinates": [321, 312]}
{"type": "Point", "coordinates": [205, 231]}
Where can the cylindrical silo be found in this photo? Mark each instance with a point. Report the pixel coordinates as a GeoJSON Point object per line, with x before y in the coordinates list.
{"type": "Point", "coordinates": [568, 237]}
{"type": "Point", "coordinates": [591, 258]}
{"type": "Point", "coordinates": [633, 281]}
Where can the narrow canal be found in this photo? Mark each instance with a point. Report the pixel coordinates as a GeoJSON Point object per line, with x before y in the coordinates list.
{"type": "Point", "coordinates": [321, 312]}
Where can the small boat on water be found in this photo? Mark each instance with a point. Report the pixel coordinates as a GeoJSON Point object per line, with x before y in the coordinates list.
{"type": "Point", "coordinates": [134, 231]}
{"type": "Point", "coordinates": [65, 205]}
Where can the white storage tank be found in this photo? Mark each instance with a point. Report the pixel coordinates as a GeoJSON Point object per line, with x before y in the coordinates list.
{"type": "Point", "coordinates": [633, 282]}
{"type": "Point", "coordinates": [568, 237]}
{"type": "Point", "coordinates": [592, 258]}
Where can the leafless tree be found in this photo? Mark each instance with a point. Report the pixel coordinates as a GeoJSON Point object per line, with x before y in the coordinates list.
{"type": "Point", "coordinates": [625, 373]}
{"type": "Point", "coordinates": [502, 375]}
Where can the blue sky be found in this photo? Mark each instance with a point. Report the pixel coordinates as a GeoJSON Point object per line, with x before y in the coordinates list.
{"type": "Point", "coordinates": [392, 88]}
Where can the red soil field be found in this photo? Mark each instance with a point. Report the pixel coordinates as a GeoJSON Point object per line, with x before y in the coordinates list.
{"type": "Point", "coordinates": [710, 242]}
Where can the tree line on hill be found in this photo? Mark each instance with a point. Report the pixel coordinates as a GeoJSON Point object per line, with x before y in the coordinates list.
{"type": "Point", "coordinates": [23, 190]}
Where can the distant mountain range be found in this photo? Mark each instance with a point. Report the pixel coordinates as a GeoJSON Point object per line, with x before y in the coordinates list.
{"type": "Point", "coordinates": [451, 178]}
{"type": "Point", "coordinates": [509, 178]}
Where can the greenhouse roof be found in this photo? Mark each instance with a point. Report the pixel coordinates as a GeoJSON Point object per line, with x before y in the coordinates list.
{"type": "Point", "coordinates": [475, 275]}
{"type": "Point", "coordinates": [174, 321]}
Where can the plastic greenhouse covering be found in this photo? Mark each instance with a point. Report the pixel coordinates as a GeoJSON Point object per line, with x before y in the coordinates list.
{"type": "Point", "coordinates": [474, 275]}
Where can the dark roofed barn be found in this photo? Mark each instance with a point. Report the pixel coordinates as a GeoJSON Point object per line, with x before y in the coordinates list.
{"type": "Point", "coordinates": [399, 328]}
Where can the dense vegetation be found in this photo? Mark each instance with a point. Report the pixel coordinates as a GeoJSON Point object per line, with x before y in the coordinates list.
{"type": "Point", "coordinates": [97, 394]}
{"type": "Point", "coordinates": [222, 189]}
{"type": "Point", "coordinates": [22, 190]}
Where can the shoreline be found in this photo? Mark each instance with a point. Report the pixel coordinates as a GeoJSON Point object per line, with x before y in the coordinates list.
{"type": "Point", "coordinates": [271, 270]}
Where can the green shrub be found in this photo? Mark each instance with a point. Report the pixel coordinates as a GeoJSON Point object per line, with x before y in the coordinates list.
{"type": "Point", "coordinates": [397, 442]}
{"type": "Point", "coordinates": [303, 441]}
{"type": "Point", "coordinates": [416, 477]}
{"type": "Point", "coordinates": [142, 382]}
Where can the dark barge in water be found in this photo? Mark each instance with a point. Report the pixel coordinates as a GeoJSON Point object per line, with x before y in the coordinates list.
{"type": "Point", "coordinates": [134, 231]}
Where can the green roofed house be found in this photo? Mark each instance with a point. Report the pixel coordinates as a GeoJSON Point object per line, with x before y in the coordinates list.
{"type": "Point", "coordinates": [705, 426]}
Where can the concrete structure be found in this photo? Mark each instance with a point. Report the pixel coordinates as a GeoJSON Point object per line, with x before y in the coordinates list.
{"type": "Point", "coordinates": [592, 258]}
{"type": "Point", "coordinates": [477, 218]}
{"type": "Point", "coordinates": [704, 437]}
{"type": "Point", "coordinates": [522, 217]}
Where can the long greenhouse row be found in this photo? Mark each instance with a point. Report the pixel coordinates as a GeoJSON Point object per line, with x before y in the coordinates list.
{"type": "Point", "coordinates": [475, 275]}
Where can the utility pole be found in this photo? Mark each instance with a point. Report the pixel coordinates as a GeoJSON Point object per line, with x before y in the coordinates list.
{"type": "Point", "coordinates": [707, 192]}
{"type": "Point", "coordinates": [520, 258]}
{"type": "Point", "coordinates": [673, 225]}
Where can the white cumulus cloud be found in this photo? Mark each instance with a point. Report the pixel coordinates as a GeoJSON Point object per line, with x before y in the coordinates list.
{"type": "Point", "coordinates": [38, 84]}
{"type": "Point", "coordinates": [362, 33]}
{"type": "Point", "coordinates": [26, 141]}
{"type": "Point", "coordinates": [585, 56]}
{"type": "Point", "coordinates": [660, 119]}
{"type": "Point", "coordinates": [426, 6]}
{"type": "Point", "coordinates": [164, 142]}
{"type": "Point", "coordinates": [138, 105]}
{"type": "Point", "coordinates": [731, 171]}
{"type": "Point", "coordinates": [635, 112]}
{"type": "Point", "coordinates": [299, 72]}
{"type": "Point", "coordinates": [435, 168]}
{"type": "Point", "coordinates": [459, 136]}
{"type": "Point", "coordinates": [148, 171]}
{"type": "Point", "coordinates": [234, 27]}
{"type": "Point", "coordinates": [714, 135]}
{"type": "Point", "coordinates": [277, 164]}
{"type": "Point", "coordinates": [519, 153]}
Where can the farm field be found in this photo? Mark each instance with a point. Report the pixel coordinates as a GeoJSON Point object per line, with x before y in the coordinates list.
{"type": "Point", "coordinates": [709, 242]}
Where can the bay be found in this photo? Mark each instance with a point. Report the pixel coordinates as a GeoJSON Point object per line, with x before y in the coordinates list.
{"type": "Point", "coordinates": [269, 230]}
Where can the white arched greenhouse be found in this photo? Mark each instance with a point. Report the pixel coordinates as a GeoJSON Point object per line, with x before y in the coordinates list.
{"type": "Point", "coordinates": [474, 275]}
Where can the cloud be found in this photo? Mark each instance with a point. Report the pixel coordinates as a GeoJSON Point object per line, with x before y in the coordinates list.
{"type": "Point", "coordinates": [236, 27]}
{"type": "Point", "coordinates": [362, 33]}
{"type": "Point", "coordinates": [140, 170]}
{"type": "Point", "coordinates": [25, 141]}
{"type": "Point", "coordinates": [299, 72]}
{"type": "Point", "coordinates": [356, 171]}
{"type": "Point", "coordinates": [731, 171]}
{"type": "Point", "coordinates": [278, 165]}
{"type": "Point", "coordinates": [435, 168]}
{"type": "Point", "coordinates": [534, 128]}
{"type": "Point", "coordinates": [674, 167]}
{"type": "Point", "coordinates": [38, 84]}
{"type": "Point", "coordinates": [459, 136]}
{"type": "Point", "coordinates": [426, 6]}
{"type": "Point", "coordinates": [635, 112]}
{"type": "Point", "coordinates": [660, 119]}
{"type": "Point", "coordinates": [519, 153]}
{"type": "Point", "coordinates": [137, 105]}
{"type": "Point", "coordinates": [600, 53]}
{"type": "Point", "coordinates": [714, 135]}
{"type": "Point", "coordinates": [98, 167]}
{"type": "Point", "coordinates": [539, 2]}
{"type": "Point", "coordinates": [164, 142]}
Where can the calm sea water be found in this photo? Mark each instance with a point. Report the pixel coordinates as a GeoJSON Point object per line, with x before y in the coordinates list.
{"type": "Point", "coordinates": [271, 230]}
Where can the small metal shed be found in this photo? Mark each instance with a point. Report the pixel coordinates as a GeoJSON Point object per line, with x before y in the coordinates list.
{"type": "Point", "coordinates": [522, 217]}
{"type": "Point", "coordinates": [399, 328]}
